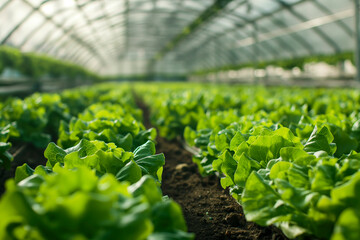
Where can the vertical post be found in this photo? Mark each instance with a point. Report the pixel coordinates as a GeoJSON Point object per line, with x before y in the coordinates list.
{"type": "Point", "coordinates": [357, 37]}
{"type": "Point", "coordinates": [214, 59]}
{"type": "Point", "coordinates": [255, 49]}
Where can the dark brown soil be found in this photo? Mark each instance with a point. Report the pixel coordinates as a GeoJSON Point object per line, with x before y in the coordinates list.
{"type": "Point", "coordinates": [210, 212]}
{"type": "Point", "coordinates": [23, 153]}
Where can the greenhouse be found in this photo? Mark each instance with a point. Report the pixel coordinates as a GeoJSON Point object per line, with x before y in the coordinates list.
{"type": "Point", "coordinates": [179, 119]}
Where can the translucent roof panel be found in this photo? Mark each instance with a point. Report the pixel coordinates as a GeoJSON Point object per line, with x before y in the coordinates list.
{"type": "Point", "coordinates": [266, 30]}
{"type": "Point", "coordinates": [176, 36]}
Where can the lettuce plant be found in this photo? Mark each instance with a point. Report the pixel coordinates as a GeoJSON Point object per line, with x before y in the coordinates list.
{"type": "Point", "coordinates": [77, 204]}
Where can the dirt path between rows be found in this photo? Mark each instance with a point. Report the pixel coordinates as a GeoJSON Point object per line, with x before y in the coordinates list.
{"type": "Point", "coordinates": [22, 153]}
{"type": "Point", "coordinates": [210, 212]}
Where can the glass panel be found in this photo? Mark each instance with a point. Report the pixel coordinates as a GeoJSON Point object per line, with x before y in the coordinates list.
{"type": "Point", "coordinates": [335, 32]}
{"type": "Point", "coordinates": [309, 10]}
{"type": "Point", "coordinates": [168, 5]}
{"type": "Point", "coordinates": [37, 39]}
{"type": "Point", "coordinates": [93, 10]}
{"type": "Point", "coordinates": [320, 46]}
{"type": "Point", "coordinates": [130, 32]}
{"type": "Point", "coordinates": [198, 5]}
{"type": "Point", "coordinates": [26, 28]}
{"type": "Point", "coordinates": [284, 47]}
{"type": "Point", "coordinates": [266, 6]}
{"type": "Point", "coordinates": [35, 2]}
{"type": "Point", "coordinates": [114, 6]}
{"type": "Point", "coordinates": [64, 17]}
{"type": "Point", "coordinates": [336, 5]}
{"type": "Point", "coordinates": [13, 14]}
{"type": "Point", "coordinates": [54, 37]}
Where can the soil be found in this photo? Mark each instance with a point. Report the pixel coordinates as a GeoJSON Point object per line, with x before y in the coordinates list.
{"type": "Point", "coordinates": [210, 212]}
{"type": "Point", "coordinates": [22, 153]}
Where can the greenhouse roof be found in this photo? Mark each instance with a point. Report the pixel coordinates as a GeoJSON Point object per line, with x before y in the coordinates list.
{"type": "Point", "coordinates": [176, 36]}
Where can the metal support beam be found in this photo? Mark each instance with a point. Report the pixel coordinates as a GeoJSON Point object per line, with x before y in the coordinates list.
{"type": "Point", "coordinates": [17, 26]}
{"type": "Point", "coordinates": [32, 33]}
{"type": "Point", "coordinates": [126, 25]}
{"type": "Point", "coordinates": [182, 54]}
{"type": "Point", "coordinates": [203, 17]}
{"type": "Point", "coordinates": [348, 31]}
{"type": "Point", "coordinates": [151, 68]}
{"type": "Point", "coordinates": [114, 33]}
{"type": "Point", "coordinates": [86, 45]}
{"type": "Point", "coordinates": [4, 5]}
{"type": "Point", "coordinates": [48, 19]}
{"type": "Point", "coordinates": [357, 31]}
{"type": "Point", "coordinates": [280, 42]}
{"type": "Point", "coordinates": [94, 31]}
{"type": "Point", "coordinates": [246, 22]}
{"type": "Point", "coordinates": [317, 30]}
{"type": "Point", "coordinates": [255, 47]}
{"type": "Point", "coordinates": [255, 37]}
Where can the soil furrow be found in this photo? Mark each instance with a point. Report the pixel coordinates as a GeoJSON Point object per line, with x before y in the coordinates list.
{"type": "Point", "coordinates": [210, 212]}
{"type": "Point", "coordinates": [23, 153]}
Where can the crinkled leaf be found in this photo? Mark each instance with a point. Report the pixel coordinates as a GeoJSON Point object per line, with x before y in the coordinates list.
{"type": "Point", "coordinates": [280, 170]}
{"type": "Point", "coordinates": [151, 164]}
{"type": "Point", "coordinates": [320, 139]}
{"type": "Point", "coordinates": [54, 154]}
{"type": "Point", "coordinates": [227, 166]}
{"type": "Point", "coordinates": [347, 226]}
{"type": "Point", "coordinates": [259, 201]}
{"type": "Point", "coordinates": [144, 150]}
{"type": "Point", "coordinates": [296, 155]}
{"type": "Point", "coordinates": [5, 156]}
{"type": "Point", "coordinates": [344, 142]}
{"type": "Point", "coordinates": [131, 172]}
{"type": "Point", "coordinates": [166, 217]}
{"type": "Point", "coordinates": [243, 170]}
{"type": "Point", "coordinates": [348, 194]}
{"type": "Point", "coordinates": [221, 142]}
{"type": "Point", "coordinates": [236, 141]}
{"type": "Point", "coordinates": [265, 148]}
{"type": "Point", "coordinates": [23, 172]}
{"type": "Point", "coordinates": [143, 136]}
{"type": "Point", "coordinates": [148, 188]}
{"type": "Point", "coordinates": [324, 178]}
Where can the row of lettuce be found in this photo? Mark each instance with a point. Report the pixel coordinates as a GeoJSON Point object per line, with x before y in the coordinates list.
{"type": "Point", "coordinates": [287, 64]}
{"type": "Point", "coordinates": [102, 178]}
{"type": "Point", "coordinates": [289, 156]}
{"type": "Point", "coordinates": [35, 65]}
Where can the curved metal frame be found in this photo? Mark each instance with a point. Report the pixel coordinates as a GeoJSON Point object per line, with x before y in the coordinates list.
{"type": "Point", "coordinates": [302, 41]}
{"type": "Point", "coordinates": [193, 49]}
{"type": "Point", "coordinates": [317, 30]}
{"type": "Point", "coordinates": [58, 41]}
{"type": "Point", "coordinates": [37, 9]}
{"type": "Point", "coordinates": [48, 46]}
